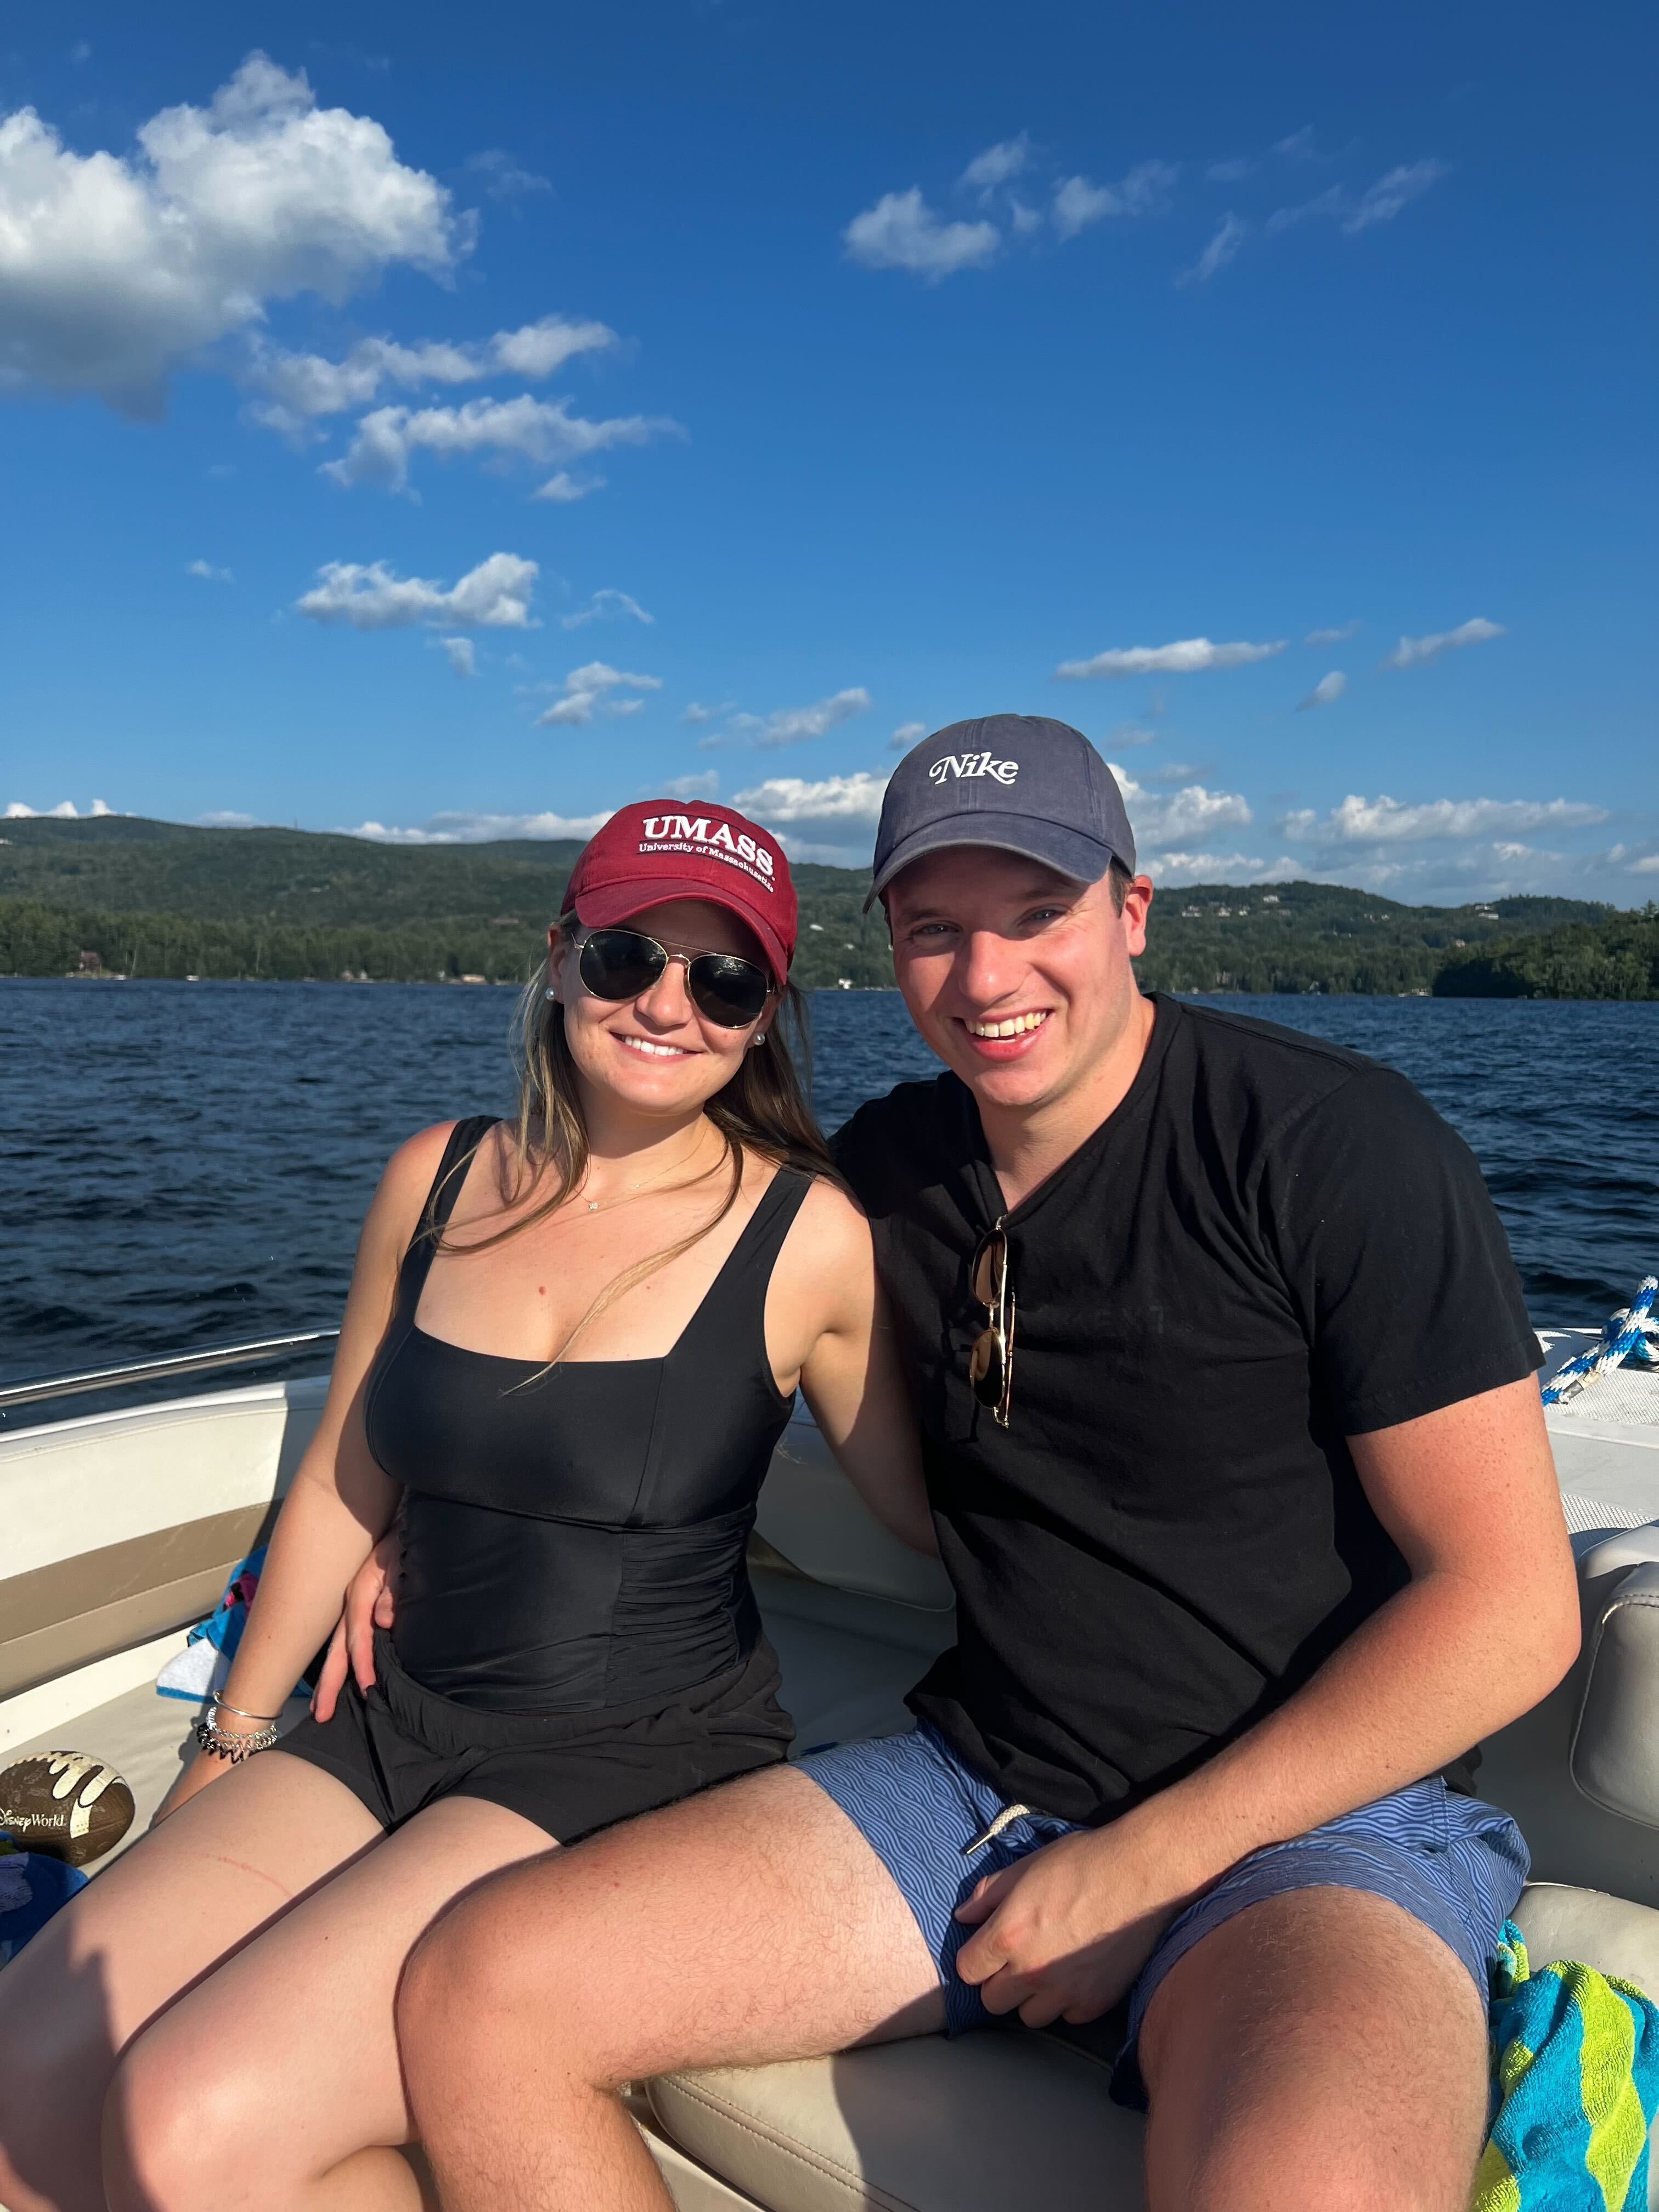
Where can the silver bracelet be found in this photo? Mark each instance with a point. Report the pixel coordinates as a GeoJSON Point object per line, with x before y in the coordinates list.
{"type": "Point", "coordinates": [220, 1706]}
{"type": "Point", "coordinates": [225, 1744]}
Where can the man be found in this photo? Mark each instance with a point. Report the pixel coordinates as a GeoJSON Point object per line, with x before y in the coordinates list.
{"type": "Point", "coordinates": [1239, 1470]}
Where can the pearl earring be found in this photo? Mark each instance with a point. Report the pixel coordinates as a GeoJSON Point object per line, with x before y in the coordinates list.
{"type": "Point", "coordinates": [549, 993]}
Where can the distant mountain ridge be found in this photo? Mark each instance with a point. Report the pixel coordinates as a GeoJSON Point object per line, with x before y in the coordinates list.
{"type": "Point", "coordinates": [163, 898]}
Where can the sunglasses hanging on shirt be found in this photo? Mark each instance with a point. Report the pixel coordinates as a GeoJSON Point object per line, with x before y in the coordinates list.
{"type": "Point", "coordinates": [991, 1361]}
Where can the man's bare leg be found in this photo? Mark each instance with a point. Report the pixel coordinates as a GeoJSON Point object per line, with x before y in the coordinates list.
{"type": "Point", "coordinates": [751, 1922]}
{"type": "Point", "coordinates": [1320, 2052]}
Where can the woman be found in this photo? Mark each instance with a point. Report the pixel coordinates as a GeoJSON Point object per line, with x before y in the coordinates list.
{"type": "Point", "coordinates": [568, 1352]}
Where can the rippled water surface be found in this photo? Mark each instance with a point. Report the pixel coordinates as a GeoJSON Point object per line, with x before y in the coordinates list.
{"type": "Point", "coordinates": [184, 1164]}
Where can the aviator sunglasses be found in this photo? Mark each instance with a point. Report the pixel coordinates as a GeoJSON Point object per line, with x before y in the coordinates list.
{"type": "Point", "coordinates": [621, 963]}
{"type": "Point", "coordinates": [991, 1361]}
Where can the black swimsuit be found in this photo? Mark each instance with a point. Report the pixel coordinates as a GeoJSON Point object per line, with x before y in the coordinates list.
{"type": "Point", "coordinates": [575, 1633]}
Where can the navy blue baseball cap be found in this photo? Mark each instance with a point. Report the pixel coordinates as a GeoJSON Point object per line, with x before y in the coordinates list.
{"type": "Point", "coordinates": [1020, 782]}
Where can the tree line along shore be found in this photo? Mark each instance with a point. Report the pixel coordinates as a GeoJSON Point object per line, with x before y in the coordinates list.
{"type": "Point", "coordinates": [117, 896]}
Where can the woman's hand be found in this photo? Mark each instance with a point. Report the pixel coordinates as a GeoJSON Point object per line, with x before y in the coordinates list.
{"type": "Point", "coordinates": [368, 1606]}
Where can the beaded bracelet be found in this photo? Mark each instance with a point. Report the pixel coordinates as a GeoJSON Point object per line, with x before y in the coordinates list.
{"type": "Point", "coordinates": [224, 1743]}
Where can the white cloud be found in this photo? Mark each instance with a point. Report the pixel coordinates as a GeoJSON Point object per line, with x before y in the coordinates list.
{"type": "Point", "coordinates": [590, 691]}
{"type": "Point", "coordinates": [1647, 865]}
{"type": "Point", "coordinates": [565, 490]}
{"type": "Point", "coordinates": [65, 810]}
{"type": "Point", "coordinates": [1024, 219]}
{"type": "Point", "coordinates": [462, 827]}
{"type": "Point", "coordinates": [906, 735]}
{"type": "Point", "coordinates": [997, 165]}
{"type": "Point", "coordinates": [1382, 820]}
{"type": "Point", "coordinates": [461, 656]}
{"type": "Point", "coordinates": [1383, 200]}
{"type": "Point", "coordinates": [1339, 636]}
{"type": "Point", "coordinates": [697, 711]}
{"type": "Point", "coordinates": [1183, 657]}
{"type": "Point", "coordinates": [1412, 652]}
{"type": "Point", "coordinates": [521, 427]}
{"type": "Point", "coordinates": [1328, 689]}
{"type": "Point", "coordinates": [1131, 734]}
{"type": "Point", "coordinates": [1299, 146]}
{"type": "Point", "coordinates": [226, 817]}
{"type": "Point", "coordinates": [831, 809]}
{"type": "Point", "coordinates": [495, 595]}
{"type": "Point", "coordinates": [705, 785]}
{"type": "Point", "coordinates": [604, 604]}
{"type": "Point", "coordinates": [1163, 822]}
{"type": "Point", "coordinates": [1378, 203]}
{"type": "Point", "coordinates": [1333, 201]}
{"type": "Point", "coordinates": [793, 726]}
{"type": "Point", "coordinates": [1144, 191]}
{"type": "Point", "coordinates": [505, 178]}
{"type": "Point", "coordinates": [1231, 233]}
{"type": "Point", "coordinates": [1231, 172]}
{"type": "Point", "coordinates": [297, 388]}
{"type": "Point", "coordinates": [1077, 203]}
{"type": "Point", "coordinates": [116, 269]}
{"type": "Point", "coordinates": [902, 232]}
{"type": "Point", "coordinates": [208, 573]}
{"type": "Point", "coordinates": [1175, 868]}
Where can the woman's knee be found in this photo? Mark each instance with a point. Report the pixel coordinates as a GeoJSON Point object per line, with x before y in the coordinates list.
{"type": "Point", "coordinates": [171, 2117]}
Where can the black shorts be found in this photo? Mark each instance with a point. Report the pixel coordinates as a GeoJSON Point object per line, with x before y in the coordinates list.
{"type": "Point", "coordinates": [400, 1747]}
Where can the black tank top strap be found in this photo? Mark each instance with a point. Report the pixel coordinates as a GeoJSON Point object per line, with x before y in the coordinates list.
{"type": "Point", "coordinates": [733, 1314]}
{"type": "Point", "coordinates": [464, 1139]}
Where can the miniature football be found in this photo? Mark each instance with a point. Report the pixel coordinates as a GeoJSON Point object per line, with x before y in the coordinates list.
{"type": "Point", "coordinates": [66, 1805]}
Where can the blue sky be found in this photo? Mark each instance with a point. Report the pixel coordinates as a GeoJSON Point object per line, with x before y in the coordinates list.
{"type": "Point", "coordinates": [461, 427]}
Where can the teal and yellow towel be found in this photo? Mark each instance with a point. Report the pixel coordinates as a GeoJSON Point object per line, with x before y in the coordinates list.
{"type": "Point", "coordinates": [1575, 2083]}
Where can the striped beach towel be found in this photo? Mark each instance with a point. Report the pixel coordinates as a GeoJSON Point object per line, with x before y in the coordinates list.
{"type": "Point", "coordinates": [1575, 2084]}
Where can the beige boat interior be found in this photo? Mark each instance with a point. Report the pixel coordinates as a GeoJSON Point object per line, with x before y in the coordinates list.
{"type": "Point", "coordinates": [119, 1530]}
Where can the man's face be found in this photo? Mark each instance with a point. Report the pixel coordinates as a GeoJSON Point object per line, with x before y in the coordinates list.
{"type": "Point", "coordinates": [1017, 977]}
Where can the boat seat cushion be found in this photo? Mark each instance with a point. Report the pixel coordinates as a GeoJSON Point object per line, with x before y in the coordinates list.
{"type": "Point", "coordinates": [1609, 1933]}
{"type": "Point", "coordinates": [977, 2125]}
{"type": "Point", "coordinates": [1005, 2117]}
{"type": "Point", "coordinates": [1615, 1746]}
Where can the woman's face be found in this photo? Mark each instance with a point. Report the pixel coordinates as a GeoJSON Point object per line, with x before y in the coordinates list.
{"type": "Point", "coordinates": [656, 1052]}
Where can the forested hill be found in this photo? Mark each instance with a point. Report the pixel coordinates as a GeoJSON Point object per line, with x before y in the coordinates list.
{"type": "Point", "coordinates": [129, 896]}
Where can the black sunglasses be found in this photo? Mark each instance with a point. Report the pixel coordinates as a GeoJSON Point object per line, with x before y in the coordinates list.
{"type": "Point", "coordinates": [621, 963]}
{"type": "Point", "coordinates": [991, 1361]}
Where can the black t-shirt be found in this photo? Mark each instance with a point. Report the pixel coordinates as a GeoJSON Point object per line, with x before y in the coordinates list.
{"type": "Point", "coordinates": [1271, 1245]}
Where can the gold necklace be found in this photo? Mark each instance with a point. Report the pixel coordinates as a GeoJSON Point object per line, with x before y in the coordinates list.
{"type": "Point", "coordinates": [602, 1204]}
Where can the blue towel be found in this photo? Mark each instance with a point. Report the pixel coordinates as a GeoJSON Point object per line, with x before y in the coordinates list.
{"type": "Point", "coordinates": [32, 1888]}
{"type": "Point", "coordinates": [1576, 2084]}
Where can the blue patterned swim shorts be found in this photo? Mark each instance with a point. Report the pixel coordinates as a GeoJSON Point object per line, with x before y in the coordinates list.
{"type": "Point", "coordinates": [1452, 1863]}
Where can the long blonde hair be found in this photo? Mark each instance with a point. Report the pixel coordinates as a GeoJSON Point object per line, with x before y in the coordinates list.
{"type": "Point", "coordinates": [763, 1110]}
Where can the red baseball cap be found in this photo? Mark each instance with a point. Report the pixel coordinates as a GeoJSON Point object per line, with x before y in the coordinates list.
{"type": "Point", "coordinates": [661, 848]}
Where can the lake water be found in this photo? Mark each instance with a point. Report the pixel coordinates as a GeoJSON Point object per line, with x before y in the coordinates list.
{"type": "Point", "coordinates": [184, 1164]}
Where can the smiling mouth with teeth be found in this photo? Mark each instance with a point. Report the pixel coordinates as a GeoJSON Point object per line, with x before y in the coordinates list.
{"type": "Point", "coordinates": [653, 1050]}
{"type": "Point", "coordinates": [1016, 1025]}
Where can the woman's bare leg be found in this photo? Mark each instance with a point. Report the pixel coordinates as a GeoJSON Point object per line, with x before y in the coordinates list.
{"type": "Point", "coordinates": [229, 1861]}
{"type": "Point", "coordinates": [275, 2083]}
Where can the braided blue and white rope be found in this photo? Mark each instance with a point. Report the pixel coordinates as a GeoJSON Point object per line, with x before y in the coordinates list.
{"type": "Point", "coordinates": [1631, 1333]}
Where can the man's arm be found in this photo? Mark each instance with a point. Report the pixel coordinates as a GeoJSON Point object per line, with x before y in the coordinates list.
{"type": "Point", "coordinates": [1487, 1626]}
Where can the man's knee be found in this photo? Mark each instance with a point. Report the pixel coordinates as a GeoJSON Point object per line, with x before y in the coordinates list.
{"type": "Point", "coordinates": [483, 1989]}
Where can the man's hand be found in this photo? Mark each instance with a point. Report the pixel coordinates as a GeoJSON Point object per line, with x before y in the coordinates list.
{"type": "Point", "coordinates": [368, 1606]}
{"type": "Point", "coordinates": [1061, 1934]}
